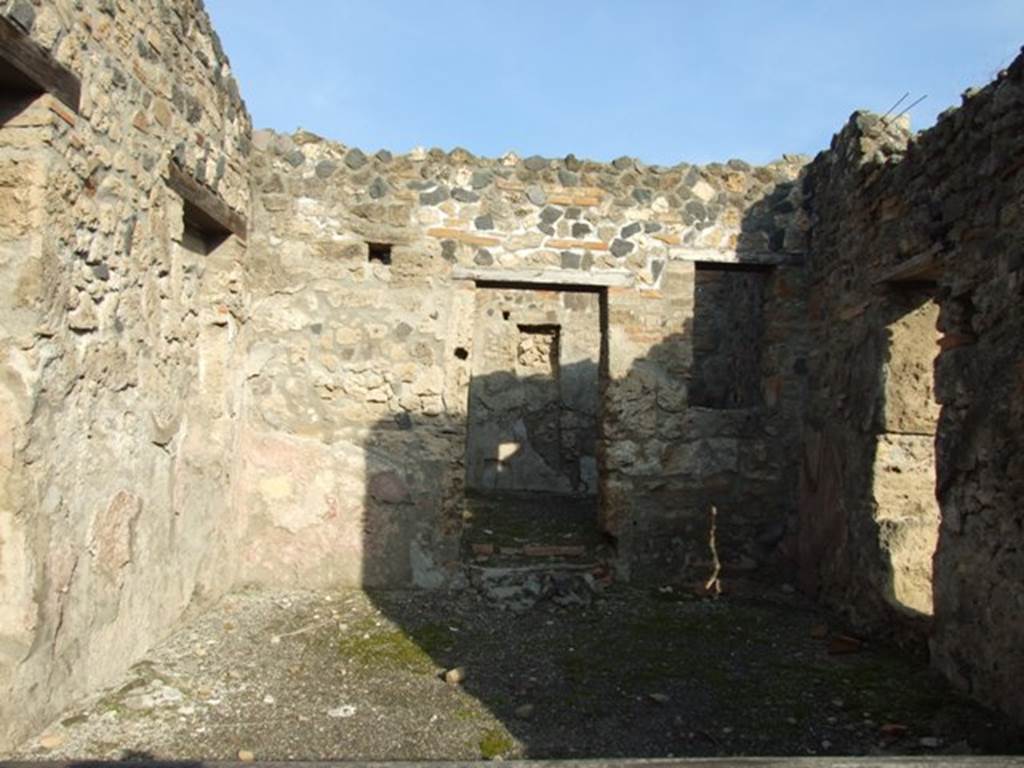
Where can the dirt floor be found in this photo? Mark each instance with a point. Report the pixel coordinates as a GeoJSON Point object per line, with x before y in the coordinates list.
{"type": "Point", "coordinates": [349, 675]}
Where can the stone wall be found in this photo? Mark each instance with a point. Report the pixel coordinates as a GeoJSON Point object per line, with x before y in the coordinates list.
{"type": "Point", "coordinates": [911, 231]}
{"type": "Point", "coordinates": [360, 361]}
{"type": "Point", "coordinates": [117, 408]}
{"type": "Point", "coordinates": [181, 413]}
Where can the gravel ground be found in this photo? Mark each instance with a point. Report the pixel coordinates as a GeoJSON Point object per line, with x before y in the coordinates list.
{"type": "Point", "coordinates": [348, 675]}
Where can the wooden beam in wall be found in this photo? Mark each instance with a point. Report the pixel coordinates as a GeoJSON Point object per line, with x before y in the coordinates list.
{"type": "Point", "coordinates": [203, 208]}
{"type": "Point", "coordinates": [752, 259]}
{"type": "Point", "coordinates": [25, 66]}
{"type": "Point", "coordinates": [923, 268]}
{"type": "Point", "coordinates": [547, 277]}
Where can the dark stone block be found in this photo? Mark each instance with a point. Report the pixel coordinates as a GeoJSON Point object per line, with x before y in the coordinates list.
{"type": "Point", "coordinates": [642, 195]}
{"type": "Point", "coordinates": [630, 229]}
{"type": "Point", "coordinates": [550, 214]}
{"type": "Point", "coordinates": [355, 159]}
{"type": "Point", "coordinates": [435, 197]}
{"type": "Point", "coordinates": [481, 179]}
{"type": "Point", "coordinates": [621, 248]}
{"type": "Point", "coordinates": [567, 178]}
{"type": "Point", "coordinates": [325, 168]}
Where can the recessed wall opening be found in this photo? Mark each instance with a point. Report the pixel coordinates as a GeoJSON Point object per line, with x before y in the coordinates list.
{"type": "Point", "coordinates": [379, 253]}
{"type": "Point", "coordinates": [27, 71]}
{"type": "Point", "coordinates": [532, 428]}
{"type": "Point", "coordinates": [200, 235]}
{"type": "Point", "coordinates": [904, 476]}
{"type": "Point", "coordinates": [727, 335]}
{"type": "Point", "coordinates": [17, 92]}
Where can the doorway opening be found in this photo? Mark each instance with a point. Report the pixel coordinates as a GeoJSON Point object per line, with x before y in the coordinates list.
{"type": "Point", "coordinates": [533, 424]}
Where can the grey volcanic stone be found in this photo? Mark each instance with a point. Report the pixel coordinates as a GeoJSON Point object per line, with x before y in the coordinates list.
{"type": "Point", "coordinates": [484, 222]}
{"type": "Point", "coordinates": [572, 163]}
{"type": "Point", "coordinates": [355, 159]}
{"type": "Point", "coordinates": [567, 178]}
{"type": "Point", "coordinates": [23, 14]}
{"type": "Point", "coordinates": [536, 195]}
{"type": "Point", "coordinates": [434, 197]}
{"type": "Point", "coordinates": [535, 163]}
{"type": "Point", "coordinates": [295, 158]}
{"type": "Point", "coordinates": [481, 179]}
{"type": "Point", "coordinates": [378, 189]}
{"type": "Point", "coordinates": [621, 248]}
{"type": "Point", "coordinates": [642, 195]}
{"type": "Point", "coordinates": [696, 209]}
{"type": "Point", "coordinates": [483, 258]}
{"type": "Point", "coordinates": [630, 229]}
{"type": "Point", "coordinates": [465, 195]}
{"type": "Point", "coordinates": [384, 156]}
{"type": "Point", "coordinates": [624, 163]}
{"type": "Point", "coordinates": [550, 214]}
{"type": "Point", "coordinates": [580, 229]}
{"type": "Point", "coordinates": [325, 168]}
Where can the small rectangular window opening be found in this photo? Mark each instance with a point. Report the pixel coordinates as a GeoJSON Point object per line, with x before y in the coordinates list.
{"type": "Point", "coordinates": [379, 252]}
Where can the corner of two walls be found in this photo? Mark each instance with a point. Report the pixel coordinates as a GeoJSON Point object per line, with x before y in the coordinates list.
{"type": "Point", "coordinates": [117, 341]}
{"type": "Point", "coordinates": [916, 257]}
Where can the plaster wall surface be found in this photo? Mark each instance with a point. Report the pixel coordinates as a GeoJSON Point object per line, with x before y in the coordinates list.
{"type": "Point", "coordinates": [117, 407]}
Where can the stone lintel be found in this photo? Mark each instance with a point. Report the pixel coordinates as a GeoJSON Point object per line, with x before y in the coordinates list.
{"type": "Point", "coordinates": [544, 277]}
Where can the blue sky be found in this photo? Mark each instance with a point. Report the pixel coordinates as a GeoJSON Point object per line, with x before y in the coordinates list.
{"type": "Point", "coordinates": [662, 80]}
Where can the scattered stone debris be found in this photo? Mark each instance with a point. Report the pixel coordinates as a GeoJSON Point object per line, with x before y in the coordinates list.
{"type": "Point", "coordinates": [640, 673]}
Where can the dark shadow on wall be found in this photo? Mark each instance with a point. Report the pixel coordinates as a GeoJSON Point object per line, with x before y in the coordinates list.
{"type": "Point", "coordinates": [869, 518]}
{"type": "Point", "coordinates": [584, 657]}
{"type": "Point", "coordinates": [579, 668]}
{"type": "Point", "coordinates": [867, 521]}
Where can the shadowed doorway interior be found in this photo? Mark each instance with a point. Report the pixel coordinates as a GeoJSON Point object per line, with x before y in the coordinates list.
{"type": "Point", "coordinates": [531, 446]}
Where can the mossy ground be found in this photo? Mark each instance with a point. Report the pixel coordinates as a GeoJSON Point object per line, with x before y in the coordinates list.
{"type": "Point", "coordinates": [360, 677]}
